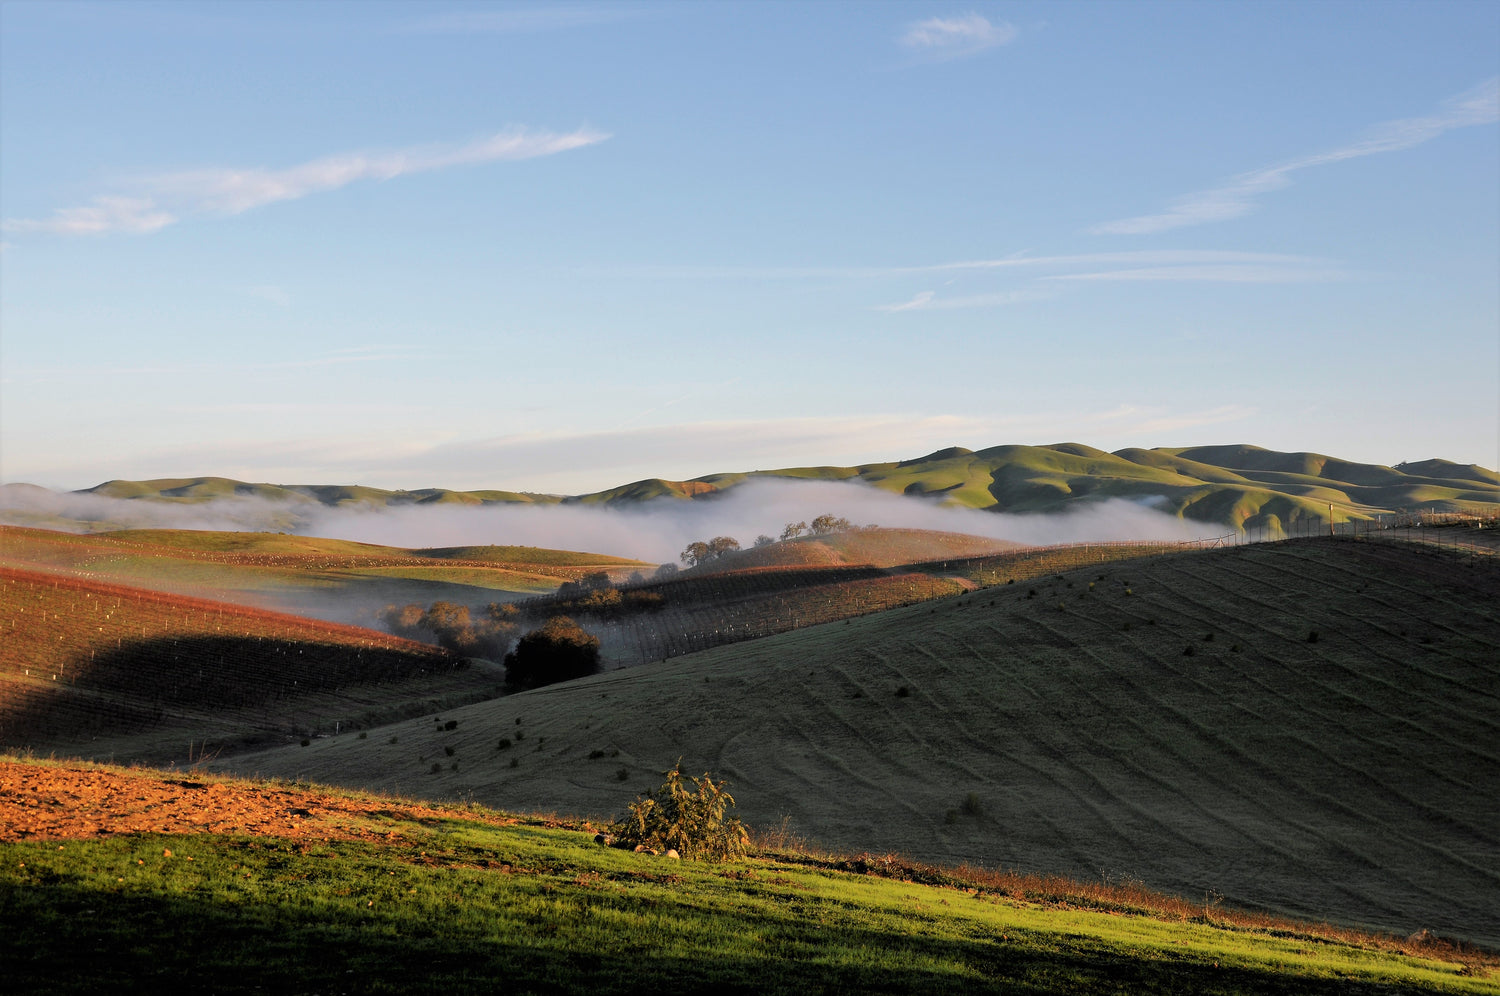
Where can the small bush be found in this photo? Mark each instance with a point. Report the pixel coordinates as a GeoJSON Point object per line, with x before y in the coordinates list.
{"type": "Point", "coordinates": [504, 743]}
{"type": "Point", "coordinates": [1312, 636]}
{"type": "Point", "coordinates": [693, 822]}
{"type": "Point", "coordinates": [452, 724]}
{"type": "Point", "coordinates": [903, 692]}
{"type": "Point", "coordinates": [1188, 651]}
{"type": "Point", "coordinates": [448, 751]}
{"type": "Point", "coordinates": [515, 762]}
{"type": "Point", "coordinates": [621, 774]}
{"type": "Point", "coordinates": [971, 805]}
{"type": "Point", "coordinates": [436, 767]}
{"type": "Point", "coordinates": [306, 742]}
{"type": "Point", "coordinates": [392, 740]}
{"type": "Point", "coordinates": [364, 735]}
{"type": "Point", "coordinates": [595, 755]}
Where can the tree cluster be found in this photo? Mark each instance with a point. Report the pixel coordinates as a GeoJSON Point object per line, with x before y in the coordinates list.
{"type": "Point", "coordinates": [823, 525]}
{"type": "Point", "coordinates": [455, 627]}
{"type": "Point", "coordinates": [701, 552]}
{"type": "Point", "coordinates": [558, 651]}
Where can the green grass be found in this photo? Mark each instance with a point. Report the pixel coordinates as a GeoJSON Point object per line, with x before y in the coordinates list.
{"type": "Point", "coordinates": [460, 906]}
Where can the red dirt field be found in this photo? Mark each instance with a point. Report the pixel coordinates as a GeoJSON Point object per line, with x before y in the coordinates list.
{"type": "Point", "coordinates": [55, 802]}
{"type": "Point", "coordinates": [80, 659]}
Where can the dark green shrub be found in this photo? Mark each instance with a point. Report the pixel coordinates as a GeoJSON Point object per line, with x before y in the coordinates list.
{"type": "Point", "coordinates": [503, 744]}
{"type": "Point", "coordinates": [452, 724]}
{"type": "Point", "coordinates": [448, 751]}
{"type": "Point", "coordinates": [559, 651]}
{"type": "Point", "coordinates": [693, 822]}
{"type": "Point", "coordinates": [972, 806]}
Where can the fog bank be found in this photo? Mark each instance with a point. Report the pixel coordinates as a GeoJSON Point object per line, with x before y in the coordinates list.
{"type": "Point", "coordinates": [654, 531]}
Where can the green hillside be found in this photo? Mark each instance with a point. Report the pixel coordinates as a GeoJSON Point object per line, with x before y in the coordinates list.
{"type": "Point", "coordinates": [1305, 727]}
{"type": "Point", "coordinates": [1234, 486]}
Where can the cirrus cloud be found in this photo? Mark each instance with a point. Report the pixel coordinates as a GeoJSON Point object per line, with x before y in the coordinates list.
{"type": "Point", "coordinates": [163, 199]}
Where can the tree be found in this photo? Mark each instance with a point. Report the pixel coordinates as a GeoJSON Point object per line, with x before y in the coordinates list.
{"type": "Point", "coordinates": [825, 525]}
{"type": "Point", "coordinates": [793, 530]}
{"type": "Point", "coordinates": [699, 552]}
{"type": "Point", "coordinates": [764, 540]}
{"type": "Point", "coordinates": [558, 651]}
{"type": "Point", "coordinates": [720, 545]}
{"type": "Point", "coordinates": [665, 571]}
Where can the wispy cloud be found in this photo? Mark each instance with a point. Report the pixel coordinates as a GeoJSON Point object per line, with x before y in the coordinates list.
{"type": "Point", "coordinates": [929, 301]}
{"type": "Point", "coordinates": [137, 215]}
{"type": "Point", "coordinates": [163, 199]}
{"type": "Point", "coordinates": [1478, 106]}
{"type": "Point", "coordinates": [1222, 274]}
{"type": "Point", "coordinates": [1145, 257]}
{"type": "Point", "coordinates": [944, 38]}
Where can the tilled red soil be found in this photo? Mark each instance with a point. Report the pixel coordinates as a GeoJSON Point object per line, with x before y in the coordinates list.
{"type": "Point", "coordinates": [51, 802]}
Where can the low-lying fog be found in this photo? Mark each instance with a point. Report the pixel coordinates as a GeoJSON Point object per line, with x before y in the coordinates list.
{"type": "Point", "coordinates": [655, 531]}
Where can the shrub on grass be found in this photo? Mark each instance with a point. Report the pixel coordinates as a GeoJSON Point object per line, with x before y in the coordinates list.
{"type": "Point", "coordinates": [692, 821]}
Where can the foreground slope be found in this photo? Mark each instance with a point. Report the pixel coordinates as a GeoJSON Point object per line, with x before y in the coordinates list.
{"type": "Point", "coordinates": [1307, 727]}
{"type": "Point", "coordinates": [112, 881]}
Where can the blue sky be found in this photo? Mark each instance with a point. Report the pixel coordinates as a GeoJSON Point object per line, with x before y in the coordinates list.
{"type": "Point", "coordinates": [561, 247]}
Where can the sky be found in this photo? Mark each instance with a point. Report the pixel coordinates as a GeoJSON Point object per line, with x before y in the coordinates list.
{"type": "Point", "coordinates": [560, 247]}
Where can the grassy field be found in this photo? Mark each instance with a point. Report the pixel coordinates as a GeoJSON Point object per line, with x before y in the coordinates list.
{"type": "Point", "coordinates": [380, 896]}
{"type": "Point", "coordinates": [1305, 727]}
{"type": "Point", "coordinates": [112, 671]}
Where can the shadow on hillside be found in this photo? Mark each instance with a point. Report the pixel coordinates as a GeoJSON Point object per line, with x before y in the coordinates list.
{"type": "Point", "coordinates": [138, 685]}
{"type": "Point", "coordinates": [66, 938]}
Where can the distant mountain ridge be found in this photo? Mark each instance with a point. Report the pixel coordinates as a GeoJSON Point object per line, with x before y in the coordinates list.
{"type": "Point", "coordinates": [1239, 486]}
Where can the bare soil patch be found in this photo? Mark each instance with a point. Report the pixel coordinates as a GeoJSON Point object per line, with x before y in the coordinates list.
{"type": "Point", "coordinates": [46, 802]}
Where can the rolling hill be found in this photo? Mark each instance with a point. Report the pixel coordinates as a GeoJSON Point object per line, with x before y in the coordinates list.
{"type": "Point", "coordinates": [1305, 727]}
{"type": "Point", "coordinates": [120, 672]}
{"type": "Point", "coordinates": [1236, 486]}
{"type": "Point", "coordinates": [336, 580]}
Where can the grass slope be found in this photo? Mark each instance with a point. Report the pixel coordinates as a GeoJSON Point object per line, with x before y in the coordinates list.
{"type": "Point", "coordinates": [388, 898]}
{"type": "Point", "coordinates": [1306, 727]}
